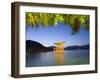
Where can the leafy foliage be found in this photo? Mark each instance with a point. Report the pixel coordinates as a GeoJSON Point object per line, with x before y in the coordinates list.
{"type": "Point", "coordinates": [48, 19]}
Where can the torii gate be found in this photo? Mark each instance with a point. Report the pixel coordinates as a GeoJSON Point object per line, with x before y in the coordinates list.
{"type": "Point", "coordinates": [59, 47]}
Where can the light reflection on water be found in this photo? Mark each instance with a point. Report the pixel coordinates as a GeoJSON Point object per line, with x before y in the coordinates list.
{"type": "Point", "coordinates": [59, 58]}
{"type": "Point", "coordinates": [69, 57]}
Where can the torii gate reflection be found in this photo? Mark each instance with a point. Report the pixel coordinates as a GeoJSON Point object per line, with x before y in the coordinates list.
{"type": "Point", "coordinates": [59, 52]}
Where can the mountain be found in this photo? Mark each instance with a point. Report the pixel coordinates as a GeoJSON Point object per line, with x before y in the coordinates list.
{"type": "Point", "coordinates": [84, 47]}
{"type": "Point", "coordinates": [33, 44]}
{"type": "Point", "coordinates": [36, 47]}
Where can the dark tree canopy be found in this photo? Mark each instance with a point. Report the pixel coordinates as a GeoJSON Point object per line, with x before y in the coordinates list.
{"type": "Point", "coordinates": [50, 19]}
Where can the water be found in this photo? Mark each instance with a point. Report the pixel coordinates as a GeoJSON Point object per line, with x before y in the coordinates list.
{"type": "Point", "coordinates": [69, 57]}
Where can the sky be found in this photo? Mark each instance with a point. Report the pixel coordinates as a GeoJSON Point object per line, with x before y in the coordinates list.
{"type": "Point", "coordinates": [47, 36]}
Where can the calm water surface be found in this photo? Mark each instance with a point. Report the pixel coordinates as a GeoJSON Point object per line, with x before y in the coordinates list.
{"type": "Point", "coordinates": [69, 57]}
